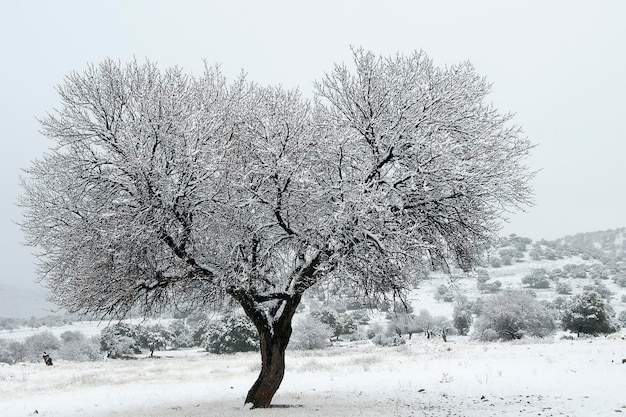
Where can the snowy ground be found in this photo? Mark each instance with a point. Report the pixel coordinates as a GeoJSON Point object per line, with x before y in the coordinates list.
{"type": "Point", "coordinates": [424, 378]}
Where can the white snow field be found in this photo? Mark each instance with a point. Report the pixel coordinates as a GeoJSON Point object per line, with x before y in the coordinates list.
{"type": "Point", "coordinates": [582, 377]}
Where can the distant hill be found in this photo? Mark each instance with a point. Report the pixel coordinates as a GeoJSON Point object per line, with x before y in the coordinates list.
{"type": "Point", "coordinates": [581, 260]}
{"type": "Point", "coordinates": [553, 270]}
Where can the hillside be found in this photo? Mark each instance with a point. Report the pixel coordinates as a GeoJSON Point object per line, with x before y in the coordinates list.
{"type": "Point", "coordinates": [586, 260]}
{"type": "Point", "coordinates": [568, 265]}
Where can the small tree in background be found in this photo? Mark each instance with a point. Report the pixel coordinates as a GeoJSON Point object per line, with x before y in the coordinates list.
{"type": "Point", "coordinates": [403, 323]}
{"type": "Point", "coordinates": [538, 279]}
{"type": "Point", "coordinates": [425, 322]}
{"type": "Point", "coordinates": [76, 347]}
{"type": "Point", "coordinates": [181, 335]}
{"type": "Point", "coordinates": [234, 333]}
{"type": "Point", "coordinates": [563, 288]}
{"type": "Point", "coordinates": [462, 315]}
{"type": "Point", "coordinates": [12, 351]}
{"type": "Point", "coordinates": [119, 341]}
{"type": "Point", "coordinates": [311, 333]}
{"type": "Point", "coordinates": [36, 344]}
{"type": "Point", "coordinates": [340, 323]}
{"type": "Point", "coordinates": [587, 313]}
{"type": "Point", "coordinates": [444, 293]}
{"type": "Point", "coordinates": [512, 315]}
{"type": "Point", "coordinates": [153, 337]}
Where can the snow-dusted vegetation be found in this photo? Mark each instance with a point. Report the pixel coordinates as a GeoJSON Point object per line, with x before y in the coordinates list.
{"type": "Point", "coordinates": [348, 373]}
{"type": "Point", "coordinates": [460, 378]}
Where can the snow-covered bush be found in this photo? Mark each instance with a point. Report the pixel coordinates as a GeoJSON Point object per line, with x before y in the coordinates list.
{"type": "Point", "coordinates": [538, 278]}
{"type": "Point", "coordinates": [587, 313]}
{"type": "Point", "coordinates": [444, 293]}
{"type": "Point", "coordinates": [599, 288]}
{"type": "Point", "coordinates": [310, 333]}
{"type": "Point", "coordinates": [384, 340]}
{"type": "Point", "coordinates": [621, 318]}
{"type": "Point", "coordinates": [495, 262]}
{"type": "Point", "coordinates": [360, 316]}
{"type": "Point", "coordinates": [76, 347]}
{"type": "Point", "coordinates": [374, 330]}
{"type": "Point", "coordinates": [462, 316]}
{"type": "Point", "coordinates": [403, 323]}
{"type": "Point", "coordinates": [36, 344]}
{"type": "Point", "coordinates": [180, 334]}
{"type": "Point", "coordinates": [490, 286]}
{"type": "Point", "coordinates": [12, 351]}
{"type": "Point", "coordinates": [119, 341]}
{"type": "Point", "coordinates": [340, 323]}
{"type": "Point", "coordinates": [152, 337]}
{"type": "Point", "coordinates": [512, 315]}
{"type": "Point", "coordinates": [563, 288]}
{"type": "Point", "coordinates": [234, 333]}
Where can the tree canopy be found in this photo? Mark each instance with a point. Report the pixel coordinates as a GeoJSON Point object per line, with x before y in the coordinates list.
{"type": "Point", "coordinates": [165, 188]}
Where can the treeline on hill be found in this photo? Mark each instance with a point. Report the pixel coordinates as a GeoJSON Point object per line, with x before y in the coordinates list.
{"type": "Point", "coordinates": [327, 316]}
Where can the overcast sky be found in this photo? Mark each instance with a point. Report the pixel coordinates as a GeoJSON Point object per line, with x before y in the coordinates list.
{"type": "Point", "coordinates": [560, 66]}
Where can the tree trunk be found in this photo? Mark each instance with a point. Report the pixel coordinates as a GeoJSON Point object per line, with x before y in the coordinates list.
{"type": "Point", "coordinates": [272, 368]}
{"type": "Point", "coordinates": [274, 333]}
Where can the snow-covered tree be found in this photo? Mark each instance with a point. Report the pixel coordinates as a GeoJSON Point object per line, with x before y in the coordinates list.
{"type": "Point", "coordinates": [152, 337]}
{"type": "Point", "coordinates": [537, 278]}
{"type": "Point", "coordinates": [311, 333]}
{"type": "Point", "coordinates": [164, 188]}
{"type": "Point", "coordinates": [233, 333]}
{"type": "Point", "coordinates": [119, 341]}
{"type": "Point", "coordinates": [513, 315]}
{"type": "Point", "coordinates": [462, 315]}
{"type": "Point", "coordinates": [587, 313]}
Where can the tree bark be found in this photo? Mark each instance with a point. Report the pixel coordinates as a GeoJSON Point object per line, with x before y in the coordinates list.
{"type": "Point", "coordinates": [272, 369]}
{"type": "Point", "coordinates": [274, 333]}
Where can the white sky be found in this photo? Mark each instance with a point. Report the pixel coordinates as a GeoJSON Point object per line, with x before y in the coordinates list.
{"type": "Point", "coordinates": [560, 66]}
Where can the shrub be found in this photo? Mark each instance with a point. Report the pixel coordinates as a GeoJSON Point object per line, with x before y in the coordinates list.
{"type": "Point", "coordinates": [152, 337]}
{"type": "Point", "coordinates": [495, 262]}
{"type": "Point", "coordinates": [403, 323]}
{"type": "Point", "coordinates": [587, 313]}
{"type": "Point", "coordinates": [429, 324]}
{"type": "Point", "coordinates": [36, 344]}
{"type": "Point", "coordinates": [70, 336]}
{"type": "Point", "coordinates": [538, 279]}
{"type": "Point", "coordinates": [621, 318]}
{"type": "Point", "coordinates": [384, 340]}
{"type": "Point", "coordinates": [563, 288]}
{"type": "Point", "coordinates": [373, 331]}
{"type": "Point", "coordinates": [12, 351]}
{"type": "Point", "coordinates": [180, 334]}
{"type": "Point", "coordinates": [360, 316]}
{"type": "Point", "coordinates": [310, 333]}
{"type": "Point", "coordinates": [235, 333]}
{"type": "Point", "coordinates": [340, 323]}
{"type": "Point", "coordinates": [444, 293]}
{"type": "Point", "coordinates": [490, 287]}
{"type": "Point", "coordinates": [511, 315]}
{"type": "Point", "coordinates": [9, 323]}
{"type": "Point", "coordinates": [600, 288]}
{"type": "Point", "coordinates": [80, 348]}
{"type": "Point", "coordinates": [462, 316]}
{"type": "Point", "coordinates": [119, 341]}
